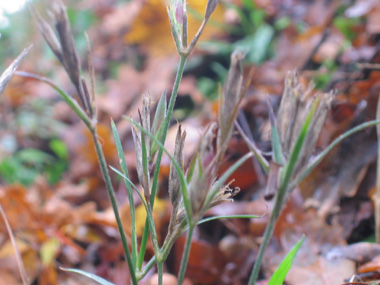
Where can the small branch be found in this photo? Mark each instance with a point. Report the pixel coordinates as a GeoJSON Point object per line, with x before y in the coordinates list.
{"type": "Point", "coordinates": [111, 194]}
{"type": "Point", "coordinates": [280, 198]}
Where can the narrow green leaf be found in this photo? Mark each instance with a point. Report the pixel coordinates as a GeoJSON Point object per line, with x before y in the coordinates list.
{"type": "Point", "coordinates": [191, 168]}
{"type": "Point", "coordinates": [291, 164]}
{"type": "Point", "coordinates": [323, 154]}
{"type": "Point", "coordinates": [159, 115]}
{"type": "Point", "coordinates": [94, 277]}
{"type": "Point", "coordinates": [145, 167]}
{"type": "Point", "coordinates": [276, 144]}
{"type": "Point", "coordinates": [148, 212]}
{"type": "Point", "coordinates": [157, 126]}
{"type": "Point", "coordinates": [124, 168]}
{"type": "Point", "coordinates": [228, 217]}
{"type": "Point", "coordinates": [65, 96]}
{"type": "Point", "coordinates": [279, 275]}
{"type": "Point", "coordinates": [137, 190]}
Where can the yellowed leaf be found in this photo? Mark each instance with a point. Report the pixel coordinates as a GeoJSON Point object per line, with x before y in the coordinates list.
{"type": "Point", "coordinates": [159, 210]}
{"type": "Point", "coordinates": [49, 250]}
{"type": "Point", "coordinates": [8, 250]}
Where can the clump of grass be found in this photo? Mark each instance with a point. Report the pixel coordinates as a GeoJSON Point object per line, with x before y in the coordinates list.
{"type": "Point", "coordinates": [192, 191]}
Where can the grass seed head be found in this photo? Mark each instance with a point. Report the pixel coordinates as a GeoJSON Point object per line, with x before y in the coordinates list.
{"type": "Point", "coordinates": [296, 104]}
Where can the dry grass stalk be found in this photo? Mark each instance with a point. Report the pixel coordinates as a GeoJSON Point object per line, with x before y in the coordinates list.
{"type": "Point", "coordinates": [64, 49]}
{"type": "Point", "coordinates": [20, 263]}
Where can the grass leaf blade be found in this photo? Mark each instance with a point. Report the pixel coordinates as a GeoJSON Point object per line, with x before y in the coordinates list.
{"type": "Point", "coordinates": [124, 168]}
{"type": "Point", "coordinates": [279, 275]}
{"type": "Point", "coordinates": [94, 277]}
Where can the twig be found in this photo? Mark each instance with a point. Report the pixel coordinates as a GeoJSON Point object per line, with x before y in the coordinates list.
{"type": "Point", "coordinates": [372, 66]}
{"type": "Point", "coordinates": [20, 264]}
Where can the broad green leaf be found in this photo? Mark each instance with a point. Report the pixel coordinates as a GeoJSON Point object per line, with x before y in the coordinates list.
{"type": "Point", "coordinates": [279, 275]}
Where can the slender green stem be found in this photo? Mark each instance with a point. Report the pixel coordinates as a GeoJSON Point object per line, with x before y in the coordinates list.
{"type": "Point", "coordinates": [173, 97]}
{"type": "Point", "coordinates": [144, 241]}
{"type": "Point", "coordinates": [280, 197]}
{"type": "Point", "coordinates": [127, 183]}
{"type": "Point", "coordinates": [152, 229]}
{"type": "Point", "coordinates": [160, 271]}
{"type": "Point", "coordinates": [140, 275]}
{"type": "Point", "coordinates": [168, 244]}
{"type": "Point", "coordinates": [111, 194]}
{"type": "Point", "coordinates": [165, 250]}
{"type": "Point", "coordinates": [185, 255]}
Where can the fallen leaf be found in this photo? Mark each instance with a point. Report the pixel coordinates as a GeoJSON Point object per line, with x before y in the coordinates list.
{"type": "Point", "coordinates": [322, 272]}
